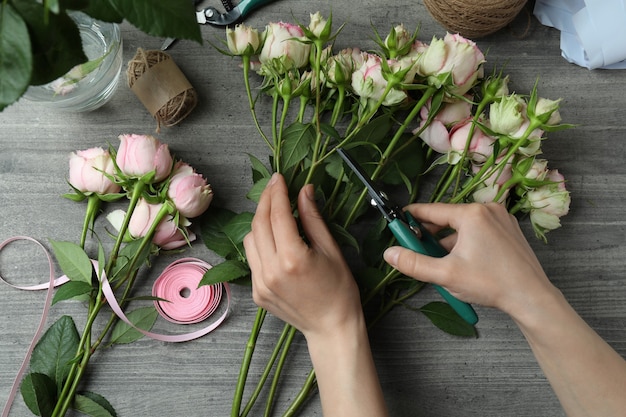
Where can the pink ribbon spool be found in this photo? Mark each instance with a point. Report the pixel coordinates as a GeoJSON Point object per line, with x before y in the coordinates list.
{"type": "Point", "coordinates": [181, 300]}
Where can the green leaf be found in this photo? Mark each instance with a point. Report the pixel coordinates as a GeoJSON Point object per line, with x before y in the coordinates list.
{"type": "Point", "coordinates": [444, 317]}
{"type": "Point", "coordinates": [16, 60]}
{"type": "Point", "coordinates": [369, 277]}
{"type": "Point", "coordinates": [342, 236]}
{"type": "Point", "coordinates": [39, 393]}
{"type": "Point", "coordinates": [73, 261]}
{"type": "Point", "coordinates": [297, 141]}
{"type": "Point", "coordinates": [257, 189]}
{"type": "Point", "coordinates": [73, 290]}
{"type": "Point", "coordinates": [165, 18]}
{"type": "Point", "coordinates": [238, 227]}
{"type": "Point", "coordinates": [93, 404]}
{"type": "Point", "coordinates": [212, 225]}
{"type": "Point", "coordinates": [103, 10]}
{"type": "Point", "coordinates": [55, 350]}
{"type": "Point", "coordinates": [259, 170]}
{"type": "Point", "coordinates": [225, 272]}
{"type": "Point", "coordinates": [56, 44]}
{"type": "Point", "coordinates": [334, 166]}
{"type": "Point", "coordinates": [143, 318]}
{"type": "Point", "coordinates": [374, 131]}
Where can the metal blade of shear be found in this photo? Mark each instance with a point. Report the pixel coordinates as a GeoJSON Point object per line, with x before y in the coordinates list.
{"type": "Point", "coordinates": [379, 199]}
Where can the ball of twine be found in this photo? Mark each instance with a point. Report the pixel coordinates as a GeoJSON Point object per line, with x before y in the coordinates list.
{"type": "Point", "coordinates": [474, 18]}
{"type": "Point", "coordinates": [178, 106]}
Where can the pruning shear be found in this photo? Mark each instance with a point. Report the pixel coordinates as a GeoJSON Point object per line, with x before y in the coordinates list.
{"type": "Point", "coordinates": [212, 16]}
{"type": "Point", "coordinates": [409, 232]}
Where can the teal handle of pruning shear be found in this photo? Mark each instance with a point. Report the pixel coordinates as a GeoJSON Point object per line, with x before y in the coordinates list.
{"type": "Point", "coordinates": [428, 245]}
{"type": "Point", "coordinates": [246, 6]}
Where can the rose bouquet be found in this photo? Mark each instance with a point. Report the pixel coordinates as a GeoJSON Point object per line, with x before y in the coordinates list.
{"type": "Point", "coordinates": [410, 112]}
{"type": "Point", "coordinates": [162, 195]}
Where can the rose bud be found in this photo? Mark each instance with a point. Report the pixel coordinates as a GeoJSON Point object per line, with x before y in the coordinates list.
{"type": "Point", "coordinates": [548, 111]}
{"type": "Point", "coordinates": [505, 116]}
{"type": "Point", "coordinates": [88, 169]}
{"type": "Point", "coordinates": [139, 155]}
{"type": "Point", "coordinates": [548, 203]}
{"type": "Point", "coordinates": [189, 191]}
{"type": "Point", "coordinates": [282, 45]}
{"type": "Point", "coordinates": [243, 40]}
{"type": "Point", "coordinates": [319, 26]}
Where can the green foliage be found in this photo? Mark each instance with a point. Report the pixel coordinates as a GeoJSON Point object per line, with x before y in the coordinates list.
{"type": "Point", "coordinates": [73, 261]}
{"type": "Point", "coordinates": [142, 318]}
{"type": "Point", "coordinates": [15, 61]}
{"type": "Point", "coordinates": [39, 393]}
{"type": "Point", "coordinates": [50, 365]}
{"type": "Point", "coordinates": [445, 318]}
{"type": "Point", "coordinates": [297, 139]}
{"type": "Point", "coordinates": [73, 290]}
{"type": "Point", "coordinates": [223, 232]}
{"type": "Point", "coordinates": [39, 42]}
{"type": "Point", "coordinates": [227, 271]}
{"type": "Point", "coordinates": [93, 405]}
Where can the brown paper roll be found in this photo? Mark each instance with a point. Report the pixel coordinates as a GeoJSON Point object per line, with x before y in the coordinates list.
{"type": "Point", "coordinates": [161, 86]}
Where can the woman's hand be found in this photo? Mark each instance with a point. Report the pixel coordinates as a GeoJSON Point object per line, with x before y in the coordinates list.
{"type": "Point", "coordinates": [311, 287]}
{"type": "Point", "coordinates": [490, 261]}
{"type": "Point", "coordinates": [307, 285]}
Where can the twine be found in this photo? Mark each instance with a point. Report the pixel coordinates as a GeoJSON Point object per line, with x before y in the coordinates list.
{"type": "Point", "coordinates": [167, 94]}
{"type": "Point", "coordinates": [474, 18]}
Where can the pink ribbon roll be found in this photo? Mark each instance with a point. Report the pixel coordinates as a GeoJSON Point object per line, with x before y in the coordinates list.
{"type": "Point", "coordinates": [182, 301]}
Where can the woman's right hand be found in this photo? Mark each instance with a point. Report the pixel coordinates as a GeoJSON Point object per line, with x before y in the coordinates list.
{"type": "Point", "coordinates": [490, 261]}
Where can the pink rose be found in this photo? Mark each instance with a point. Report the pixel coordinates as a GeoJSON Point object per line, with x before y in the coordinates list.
{"type": "Point", "coordinates": [437, 134]}
{"type": "Point", "coordinates": [455, 55]}
{"type": "Point", "coordinates": [368, 82]}
{"type": "Point", "coordinates": [189, 191]}
{"type": "Point", "coordinates": [140, 154]}
{"type": "Point", "coordinates": [450, 112]}
{"type": "Point", "coordinates": [480, 147]}
{"type": "Point", "coordinates": [88, 169]}
{"type": "Point", "coordinates": [283, 44]}
{"type": "Point", "coordinates": [168, 234]}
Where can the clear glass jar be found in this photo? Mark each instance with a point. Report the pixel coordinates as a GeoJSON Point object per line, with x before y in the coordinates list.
{"type": "Point", "coordinates": [94, 89]}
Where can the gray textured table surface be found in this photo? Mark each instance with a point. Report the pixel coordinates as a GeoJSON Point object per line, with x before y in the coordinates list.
{"type": "Point", "coordinates": [424, 372]}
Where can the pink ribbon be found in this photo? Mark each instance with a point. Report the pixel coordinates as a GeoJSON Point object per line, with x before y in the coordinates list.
{"type": "Point", "coordinates": [186, 303]}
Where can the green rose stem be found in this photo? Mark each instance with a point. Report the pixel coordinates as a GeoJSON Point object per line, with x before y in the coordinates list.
{"type": "Point", "coordinates": [279, 367]}
{"type": "Point", "coordinates": [93, 205]}
{"type": "Point", "coordinates": [266, 371]}
{"type": "Point", "coordinates": [251, 101]}
{"type": "Point", "coordinates": [137, 191]}
{"type": "Point", "coordinates": [85, 348]}
{"type": "Point", "coordinates": [247, 359]}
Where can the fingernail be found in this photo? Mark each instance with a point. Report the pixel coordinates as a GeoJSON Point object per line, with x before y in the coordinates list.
{"type": "Point", "coordinates": [391, 256]}
{"type": "Point", "coordinates": [309, 192]}
{"type": "Point", "coordinates": [272, 180]}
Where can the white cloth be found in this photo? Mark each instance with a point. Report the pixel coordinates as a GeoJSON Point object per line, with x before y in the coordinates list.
{"type": "Point", "coordinates": [593, 32]}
